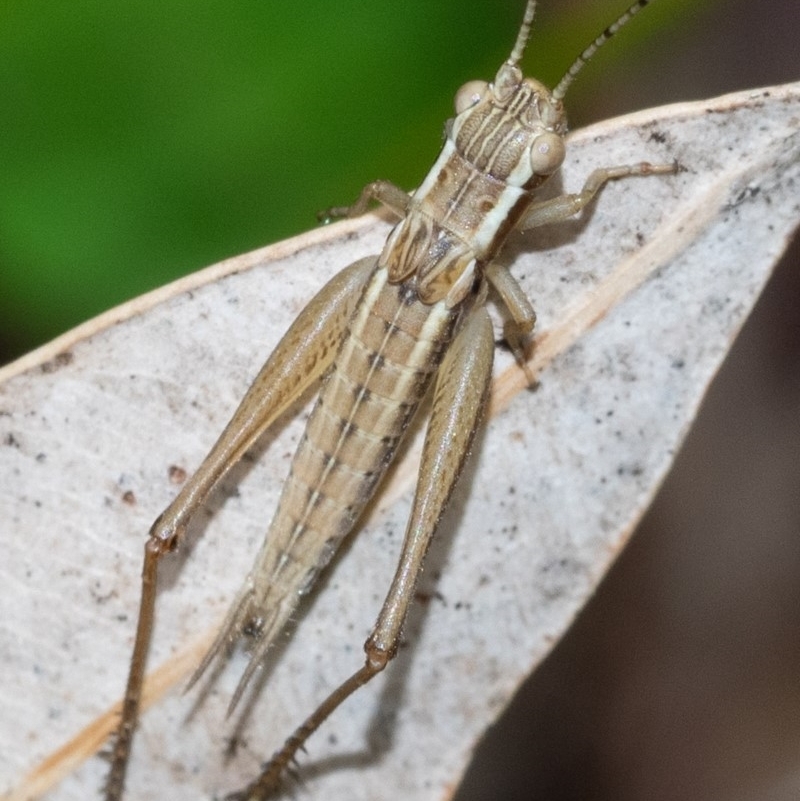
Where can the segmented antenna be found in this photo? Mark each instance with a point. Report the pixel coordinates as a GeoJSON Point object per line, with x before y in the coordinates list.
{"type": "Point", "coordinates": [579, 63]}
{"type": "Point", "coordinates": [523, 35]}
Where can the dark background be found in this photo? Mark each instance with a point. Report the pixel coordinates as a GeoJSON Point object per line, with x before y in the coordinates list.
{"type": "Point", "coordinates": [681, 679]}
{"type": "Point", "coordinates": [142, 141]}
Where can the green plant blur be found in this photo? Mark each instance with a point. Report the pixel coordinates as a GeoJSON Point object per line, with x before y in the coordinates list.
{"type": "Point", "coordinates": [142, 141]}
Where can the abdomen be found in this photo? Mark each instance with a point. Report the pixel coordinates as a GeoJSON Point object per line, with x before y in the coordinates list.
{"type": "Point", "coordinates": [380, 375]}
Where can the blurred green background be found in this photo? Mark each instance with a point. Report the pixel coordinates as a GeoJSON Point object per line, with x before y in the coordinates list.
{"type": "Point", "coordinates": [142, 141]}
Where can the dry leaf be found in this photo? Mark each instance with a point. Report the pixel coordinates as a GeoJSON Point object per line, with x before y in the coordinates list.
{"type": "Point", "coordinates": [638, 302]}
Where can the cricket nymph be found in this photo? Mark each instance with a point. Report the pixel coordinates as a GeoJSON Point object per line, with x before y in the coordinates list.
{"type": "Point", "coordinates": [504, 143]}
{"type": "Point", "coordinates": [380, 336]}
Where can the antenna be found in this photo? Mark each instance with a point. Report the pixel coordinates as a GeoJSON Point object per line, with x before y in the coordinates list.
{"type": "Point", "coordinates": [579, 63]}
{"type": "Point", "coordinates": [523, 35]}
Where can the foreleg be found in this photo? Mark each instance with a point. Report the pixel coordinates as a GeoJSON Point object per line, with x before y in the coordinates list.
{"type": "Point", "coordinates": [383, 192]}
{"type": "Point", "coordinates": [565, 206]}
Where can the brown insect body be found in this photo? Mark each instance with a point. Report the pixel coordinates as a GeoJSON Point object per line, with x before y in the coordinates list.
{"type": "Point", "coordinates": [428, 276]}
{"type": "Point", "coordinates": [378, 335]}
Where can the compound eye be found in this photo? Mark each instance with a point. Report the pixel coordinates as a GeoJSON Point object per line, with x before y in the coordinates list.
{"type": "Point", "coordinates": [469, 94]}
{"type": "Point", "coordinates": [547, 153]}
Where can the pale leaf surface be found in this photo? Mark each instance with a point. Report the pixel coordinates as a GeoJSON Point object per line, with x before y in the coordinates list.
{"type": "Point", "coordinates": [638, 302]}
